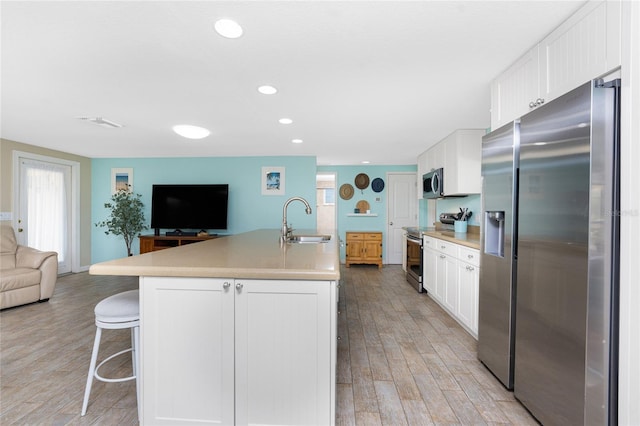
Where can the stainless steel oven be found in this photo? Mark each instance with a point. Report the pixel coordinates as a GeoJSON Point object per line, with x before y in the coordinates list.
{"type": "Point", "coordinates": [414, 258]}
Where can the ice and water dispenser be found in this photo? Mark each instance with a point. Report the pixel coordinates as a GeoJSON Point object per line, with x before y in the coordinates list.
{"type": "Point", "coordinates": [494, 233]}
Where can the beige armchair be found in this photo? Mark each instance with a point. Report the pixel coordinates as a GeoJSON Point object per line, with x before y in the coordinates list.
{"type": "Point", "coordinates": [26, 274]}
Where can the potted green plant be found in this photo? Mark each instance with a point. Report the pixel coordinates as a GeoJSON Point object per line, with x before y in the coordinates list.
{"type": "Point", "coordinates": [126, 218]}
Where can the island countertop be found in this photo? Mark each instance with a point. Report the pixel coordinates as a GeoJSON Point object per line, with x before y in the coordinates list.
{"type": "Point", "coordinates": [256, 254]}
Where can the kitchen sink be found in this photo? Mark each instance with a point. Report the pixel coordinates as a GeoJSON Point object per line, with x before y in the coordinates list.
{"type": "Point", "coordinates": [309, 238]}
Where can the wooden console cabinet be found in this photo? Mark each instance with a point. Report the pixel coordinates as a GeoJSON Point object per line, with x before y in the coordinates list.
{"type": "Point", "coordinates": [149, 243]}
{"type": "Point", "coordinates": [364, 247]}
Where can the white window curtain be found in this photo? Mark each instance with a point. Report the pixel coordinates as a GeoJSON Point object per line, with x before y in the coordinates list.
{"type": "Point", "coordinates": [46, 206]}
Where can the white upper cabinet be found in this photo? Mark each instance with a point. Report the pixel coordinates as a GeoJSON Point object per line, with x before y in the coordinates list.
{"type": "Point", "coordinates": [462, 164]}
{"type": "Point", "coordinates": [585, 46]}
{"type": "Point", "coordinates": [436, 157]}
{"type": "Point", "coordinates": [460, 155]}
{"type": "Point", "coordinates": [515, 89]}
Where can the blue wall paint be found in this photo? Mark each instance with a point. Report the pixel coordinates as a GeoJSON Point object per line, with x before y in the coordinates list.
{"type": "Point", "coordinates": [451, 205]}
{"type": "Point", "coordinates": [423, 217]}
{"type": "Point", "coordinates": [377, 200]}
{"type": "Point", "coordinates": [248, 208]}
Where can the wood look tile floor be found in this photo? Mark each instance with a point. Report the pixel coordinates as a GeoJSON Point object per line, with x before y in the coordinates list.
{"type": "Point", "coordinates": [401, 359]}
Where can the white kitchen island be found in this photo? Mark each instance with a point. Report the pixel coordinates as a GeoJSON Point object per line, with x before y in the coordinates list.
{"type": "Point", "coordinates": [237, 330]}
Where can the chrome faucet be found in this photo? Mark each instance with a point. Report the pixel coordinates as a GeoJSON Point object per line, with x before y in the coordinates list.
{"type": "Point", "coordinates": [286, 230]}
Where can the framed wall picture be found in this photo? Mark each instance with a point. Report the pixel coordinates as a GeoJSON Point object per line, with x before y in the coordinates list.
{"type": "Point", "coordinates": [121, 179]}
{"type": "Point", "coordinates": [273, 181]}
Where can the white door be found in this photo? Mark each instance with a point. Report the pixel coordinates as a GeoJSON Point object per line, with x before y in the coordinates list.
{"type": "Point", "coordinates": [401, 212]}
{"type": "Point", "coordinates": [43, 218]}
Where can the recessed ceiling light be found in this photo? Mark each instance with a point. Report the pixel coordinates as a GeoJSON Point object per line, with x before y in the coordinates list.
{"type": "Point", "coordinates": [191, 132]}
{"type": "Point", "coordinates": [267, 90]}
{"type": "Point", "coordinates": [285, 121]}
{"type": "Point", "coordinates": [366, 162]}
{"type": "Point", "coordinates": [228, 28]}
{"type": "Point", "coordinates": [296, 140]}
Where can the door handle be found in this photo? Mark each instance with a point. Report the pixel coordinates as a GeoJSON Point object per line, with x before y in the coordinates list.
{"type": "Point", "coordinates": [391, 223]}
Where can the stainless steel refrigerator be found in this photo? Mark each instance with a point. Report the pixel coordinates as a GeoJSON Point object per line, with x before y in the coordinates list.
{"type": "Point", "coordinates": [563, 294]}
{"type": "Point", "coordinates": [496, 328]}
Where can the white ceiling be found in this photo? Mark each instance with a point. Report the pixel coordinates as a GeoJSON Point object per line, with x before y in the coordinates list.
{"type": "Point", "coordinates": [362, 80]}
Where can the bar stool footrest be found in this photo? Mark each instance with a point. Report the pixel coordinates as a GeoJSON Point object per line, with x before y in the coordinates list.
{"type": "Point", "coordinates": [108, 380]}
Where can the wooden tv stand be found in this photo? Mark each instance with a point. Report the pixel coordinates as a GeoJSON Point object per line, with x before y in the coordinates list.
{"type": "Point", "coordinates": [149, 243]}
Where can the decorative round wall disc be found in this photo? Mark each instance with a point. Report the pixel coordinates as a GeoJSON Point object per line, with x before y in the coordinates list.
{"type": "Point", "coordinates": [377, 185]}
{"type": "Point", "coordinates": [346, 191]}
{"type": "Point", "coordinates": [362, 181]}
{"type": "Point", "coordinates": [362, 205]}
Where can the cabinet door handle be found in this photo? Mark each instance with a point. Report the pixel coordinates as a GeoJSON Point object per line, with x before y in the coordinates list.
{"type": "Point", "coordinates": [443, 247]}
{"type": "Point", "coordinates": [536, 103]}
{"type": "Point", "coordinates": [226, 285]}
{"type": "Point", "coordinates": [470, 256]}
{"type": "Point", "coordinates": [470, 268]}
{"type": "Point", "coordinates": [239, 287]}
{"type": "Point", "coordinates": [442, 256]}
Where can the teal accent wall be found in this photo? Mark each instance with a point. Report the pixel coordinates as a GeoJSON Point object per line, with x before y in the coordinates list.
{"type": "Point", "coordinates": [452, 205]}
{"type": "Point", "coordinates": [248, 208]}
{"type": "Point", "coordinates": [423, 217]}
{"type": "Point", "coordinates": [377, 200]}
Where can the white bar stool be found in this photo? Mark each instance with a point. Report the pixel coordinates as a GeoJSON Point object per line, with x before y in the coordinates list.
{"type": "Point", "coordinates": [119, 311]}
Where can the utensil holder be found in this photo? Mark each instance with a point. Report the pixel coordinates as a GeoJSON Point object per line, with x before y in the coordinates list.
{"type": "Point", "coordinates": [460, 226]}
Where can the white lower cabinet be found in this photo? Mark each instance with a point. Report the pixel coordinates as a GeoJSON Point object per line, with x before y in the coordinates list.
{"type": "Point", "coordinates": [224, 351]}
{"type": "Point", "coordinates": [451, 277]}
{"type": "Point", "coordinates": [467, 309]}
{"type": "Point", "coordinates": [447, 275]}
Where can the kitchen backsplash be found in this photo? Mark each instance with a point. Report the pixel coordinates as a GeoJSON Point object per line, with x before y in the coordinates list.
{"type": "Point", "coordinates": [452, 205]}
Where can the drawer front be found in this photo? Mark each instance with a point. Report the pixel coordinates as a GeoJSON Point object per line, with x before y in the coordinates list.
{"type": "Point", "coordinates": [355, 236]}
{"type": "Point", "coordinates": [447, 247]}
{"type": "Point", "coordinates": [376, 236]}
{"type": "Point", "coordinates": [469, 255]}
{"type": "Point", "coordinates": [430, 242]}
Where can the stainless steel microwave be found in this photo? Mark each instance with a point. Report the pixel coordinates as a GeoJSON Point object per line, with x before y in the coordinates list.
{"type": "Point", "coordinates": [432, 184]}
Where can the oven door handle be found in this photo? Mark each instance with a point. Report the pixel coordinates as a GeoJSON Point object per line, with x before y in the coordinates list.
{"type": "Point", "coordinates": [414, 240]}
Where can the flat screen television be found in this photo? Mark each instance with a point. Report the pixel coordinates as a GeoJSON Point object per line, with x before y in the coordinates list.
{"type": "Point", "coordinates": [180, 207]}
